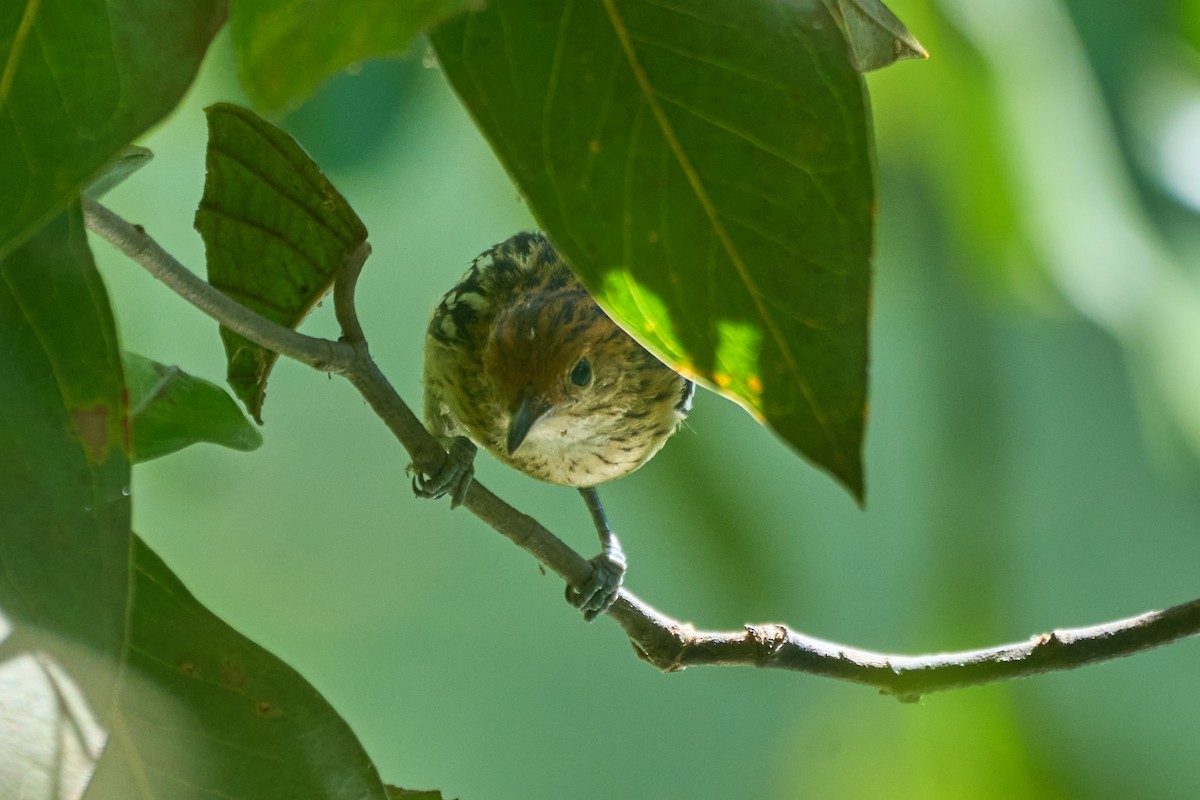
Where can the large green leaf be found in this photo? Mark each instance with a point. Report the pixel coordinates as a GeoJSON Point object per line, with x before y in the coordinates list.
{"type": "Point", "coordinates": [275, 233]}
{"type": "Point", "coordinates": [204, 712]}
{"type": "Point", "coordinates": [170, 410]}
{"type": "Point", "coordinates": [64, 461]}
{"type": "Point", "coordinates": [286, 47]}
{"type": "Point", "coordinates": [78, 80]}
{"type": "Point", "coordinates": [705, 165]}
{"type": "Point", "coordinates": [95, 632]}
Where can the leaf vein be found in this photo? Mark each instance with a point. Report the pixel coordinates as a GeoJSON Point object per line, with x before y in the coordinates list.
{"type": "Point", "coordinates": [788, 247]}
{"type": "Point", "coordinates": [548, 105]}
{"type": "Point", "coordinates": [267, 233]}
{"type": "Point", "coordinates": [346, 237]}
{"type": "Point", "coordinates": [28, 17]}
{"type": "Point", "coordinates": [692, 13]}
{"type": "Point", "coordinates": [708, 62]}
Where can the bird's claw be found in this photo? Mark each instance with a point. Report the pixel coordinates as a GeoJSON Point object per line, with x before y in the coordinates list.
{"type": "Point", "coordinates": [600, 591]}
{"type": "Point", "coordinates": [455, 476]}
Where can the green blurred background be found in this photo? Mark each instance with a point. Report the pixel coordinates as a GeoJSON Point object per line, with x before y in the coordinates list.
{"type": "Point", "coordinates": [1032, 453]}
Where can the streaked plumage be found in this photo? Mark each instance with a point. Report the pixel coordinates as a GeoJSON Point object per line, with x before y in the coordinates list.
{"type": "Point", "coordinates": [521, 361]}
{"type": "Point", "coordinates": [514, 328]}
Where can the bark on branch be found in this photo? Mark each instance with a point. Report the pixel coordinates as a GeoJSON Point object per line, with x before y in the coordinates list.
{"type": "Point", "coordinates": [663, 641]}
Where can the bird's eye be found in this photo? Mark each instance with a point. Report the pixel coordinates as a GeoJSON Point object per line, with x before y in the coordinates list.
{"type": "Point", "coordinates": [581, 375]}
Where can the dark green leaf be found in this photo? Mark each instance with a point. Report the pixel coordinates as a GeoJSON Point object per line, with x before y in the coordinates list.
{"type": "Point", "coordinates": [285, 48]}
{"type": "Point", "coordinates": [170, 409]}
{"type": "Point", "coordinates": [275, 232]}
{"type": "Point", "coordinates": [206, 713]}
{"type": "Point", "coordinates": [78, 80]}
{"type": "Point", "coordinates": [64, 460]}
{"type": "Point", "coordinates": [396, 793]}
{"type": "Point", "coordinates": [705, 165]}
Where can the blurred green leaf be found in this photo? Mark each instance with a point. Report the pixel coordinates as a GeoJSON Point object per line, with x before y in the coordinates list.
{"type": "Point", "coordinates": [956, 147]}
{"type": "Point", "coordinates": [80, 79]}
{"type": "Point", "coordinates": [205, 712]}
{"type": "Point", "coordinates": [974, 747]}
{"type": "Point", "coordinates": [64, 459]}
{"type": "Point", "coordinates": [170, 410]}
{"type": "Point", "coordinates": [706, 168]}
{"type": "Point", "coordinates": [285, 48]}
{"type": "Point", "coordinates": [1188, 24]}
{"type": "Point", "coordinates": [275, 232]}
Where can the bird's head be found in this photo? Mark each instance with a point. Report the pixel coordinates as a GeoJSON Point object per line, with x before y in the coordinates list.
{"type": "Point", "coordinates": [546, 358]}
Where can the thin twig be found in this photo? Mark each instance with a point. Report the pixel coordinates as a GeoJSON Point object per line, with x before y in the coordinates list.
{"type": "Point", "coordinates": [345, 283]}
{"type": "Point", "coordinates": [133, 241]}
{"type": "Point", "coordinates": [663, 641]}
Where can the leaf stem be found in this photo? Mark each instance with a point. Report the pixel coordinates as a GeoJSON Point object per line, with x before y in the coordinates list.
{"type": "Point", "coordinates": [345, 283]}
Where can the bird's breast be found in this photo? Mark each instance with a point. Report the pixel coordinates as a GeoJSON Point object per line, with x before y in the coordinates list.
{"type": "Point", "coordinates": [586, 451]}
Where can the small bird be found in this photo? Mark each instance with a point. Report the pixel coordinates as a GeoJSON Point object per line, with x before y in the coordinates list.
{"type": "Point", "coordinates": [521, 361]}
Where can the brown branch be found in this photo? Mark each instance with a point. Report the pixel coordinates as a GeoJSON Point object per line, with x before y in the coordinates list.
{"type": "Point", "coordinates": [665, 642]}
{"type": "Point", "coordinates": [671, 646]}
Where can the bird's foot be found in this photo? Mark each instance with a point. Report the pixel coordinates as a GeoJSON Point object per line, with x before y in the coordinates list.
{"type": "Point", "coordinates": [599, 592]}
{"type": "Point", "coordinates": [455, 476]}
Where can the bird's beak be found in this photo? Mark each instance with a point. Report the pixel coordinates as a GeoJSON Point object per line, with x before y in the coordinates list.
{"type": "Point", "coordinates": [529, 410]}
